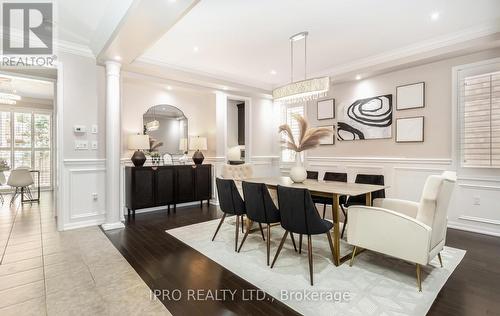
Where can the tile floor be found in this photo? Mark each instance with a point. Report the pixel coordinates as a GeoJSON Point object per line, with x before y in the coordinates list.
{"type": "Point", "coordinates": [77, 272]}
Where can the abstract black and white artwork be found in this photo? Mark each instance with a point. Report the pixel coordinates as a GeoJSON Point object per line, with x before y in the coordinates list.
{"type": "Point", "coordinates": [369, 118]}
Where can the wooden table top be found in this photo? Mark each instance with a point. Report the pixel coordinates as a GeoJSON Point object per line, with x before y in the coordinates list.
{"type": "Point", "coordinates": [320, 186]}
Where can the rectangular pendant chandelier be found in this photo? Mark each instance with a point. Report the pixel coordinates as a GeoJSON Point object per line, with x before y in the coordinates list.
{"type": "Point", "coordinates": [304, 90]}
{"type": "Point", "coordinates": [301, 91]}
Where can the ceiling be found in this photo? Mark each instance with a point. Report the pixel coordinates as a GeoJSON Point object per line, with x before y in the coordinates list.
{"type": "Point", "coordinates": [78, 20]}
{"type": "Point", "coordinates": [244, 41]}
{"type": "Point", "coordinates": [27, 87]}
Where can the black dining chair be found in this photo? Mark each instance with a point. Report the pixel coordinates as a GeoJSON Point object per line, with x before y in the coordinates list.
{"type": "Point", "coordinates": [299, 215]}
{"type": "Point", "coordinates": [261, 209]}
{"type": "Point", "coordinates": [312, 175]}
{"type": "Point", "coordinates": [230, 202]}
{"type": "Point", "coordinates": [376, 179]}
{"type": "Point", "coordinates": [331, 176]}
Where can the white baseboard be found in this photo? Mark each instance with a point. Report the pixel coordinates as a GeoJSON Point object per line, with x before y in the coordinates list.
{"type": "Point", "coordinates": [472, 229]}
{"type": "Point", "coordinates": [82, 224]}
{"type": "Point", "coordinates": [110, 226]}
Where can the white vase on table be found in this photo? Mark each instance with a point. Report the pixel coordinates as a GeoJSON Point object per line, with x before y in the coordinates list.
{"type": "Point", "coordinates": [298, 173]}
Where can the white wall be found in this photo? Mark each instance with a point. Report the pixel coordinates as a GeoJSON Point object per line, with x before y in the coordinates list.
{"type": "Point", "coordinates": [139, 95]}
{"type": "Point", "coordinates": [83, 173]}
{"type": "Point", "coordinates": [406, 166]}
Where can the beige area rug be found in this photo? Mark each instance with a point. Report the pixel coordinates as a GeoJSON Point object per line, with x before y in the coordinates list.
{"type": "Point", "coordinates": [375, 285]}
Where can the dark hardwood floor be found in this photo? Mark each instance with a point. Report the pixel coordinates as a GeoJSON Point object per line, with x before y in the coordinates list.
{"type": "Point", "coordinates": [165, 263]}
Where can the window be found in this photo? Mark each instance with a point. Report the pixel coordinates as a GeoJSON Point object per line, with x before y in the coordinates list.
{"type": "Point", "coordinates": [481, 120]}
{"type": "Point", "coordinates": [25, 141]}
{"type": "Point", "coordinates": [288, 155]}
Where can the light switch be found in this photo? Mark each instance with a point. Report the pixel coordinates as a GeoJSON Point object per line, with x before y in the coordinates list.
{"type": "Point", "coordinates": [80, 129]}
{"type": "Point", "coordinates": [94, 129]}
{"type": "Point", "coordinates": [81, 145]}
{"type": "Point", "coordinates": [94, 145]}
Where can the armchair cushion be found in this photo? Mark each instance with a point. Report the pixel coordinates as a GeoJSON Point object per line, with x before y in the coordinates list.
{"type": "Point", "coordinates": [389, 232]}
{"type": "Point", "coordinates": [408, 208]}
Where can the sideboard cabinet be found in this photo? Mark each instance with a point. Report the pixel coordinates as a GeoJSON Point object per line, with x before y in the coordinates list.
{"type": "Point", "coordinates": [153, 186]}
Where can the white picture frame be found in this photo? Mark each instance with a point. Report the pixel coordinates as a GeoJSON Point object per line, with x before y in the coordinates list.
{"type": "Point", "coordinates": [410, 129]}
{"type": "Point", "coordinates": [328, 140]}
{"type": "Point", "coordinates": [326, 109]}
{"type": "Point", "coordinates": [410, 96]}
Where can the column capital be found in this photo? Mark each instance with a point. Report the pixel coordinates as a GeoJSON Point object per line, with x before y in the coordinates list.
{"type": "Point", "coordinates": [112, 67]}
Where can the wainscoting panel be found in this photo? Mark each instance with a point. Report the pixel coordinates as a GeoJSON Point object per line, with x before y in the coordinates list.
{"type": "Point", "coordinates": [84, 197]}
{"type": "Point", "coordinates": [406, 178]}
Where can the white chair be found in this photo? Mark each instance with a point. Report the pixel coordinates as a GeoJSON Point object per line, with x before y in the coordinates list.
{"type": "Point", "coordinates": [2, 183]}
{"type": "Point", "coordinates": [406, 230]}
{"type": "Point", "coordinates": [20, 179]}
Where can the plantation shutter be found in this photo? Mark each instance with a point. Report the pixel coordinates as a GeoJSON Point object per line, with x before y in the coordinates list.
{"type": "Point", "coordinates": [288, 155]}
{"type": "Point", "coordinates": [480, 103]}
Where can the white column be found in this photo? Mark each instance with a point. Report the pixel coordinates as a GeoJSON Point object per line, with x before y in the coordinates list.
{"type": "Point", "coordinates": [113, 148]}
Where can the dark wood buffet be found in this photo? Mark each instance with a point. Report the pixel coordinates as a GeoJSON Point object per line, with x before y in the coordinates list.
{"type": "Point", "coordinates": [166, 185]}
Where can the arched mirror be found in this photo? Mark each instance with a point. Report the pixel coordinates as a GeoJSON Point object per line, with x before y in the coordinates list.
{"type": "Point", "coordinates": [167, 127]}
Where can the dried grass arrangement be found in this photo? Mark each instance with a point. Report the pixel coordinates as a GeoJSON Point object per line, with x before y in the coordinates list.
{"type": "Point", "coordinates": [309, 137]}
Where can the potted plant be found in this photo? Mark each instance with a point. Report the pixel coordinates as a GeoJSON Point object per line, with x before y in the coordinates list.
{"type": "Point", "coordinates": [308, 138]}
{"type": "Point", "coordinates": [4, 166]}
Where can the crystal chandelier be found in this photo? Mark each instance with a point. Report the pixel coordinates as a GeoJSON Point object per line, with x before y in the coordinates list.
{"type": "Point", "coordinates": [304, 90]}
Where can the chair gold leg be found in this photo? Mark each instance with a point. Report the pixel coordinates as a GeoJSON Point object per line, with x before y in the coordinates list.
{"type": "Point", "coordinates": [330, 241]}
{"type": "Point", "coordinates": [353, 255]}
{"type": "Point", "coordinates": [440, 259]}
{"type": "Point", "coordinates": [419, 281]}
{"type": "Point", "coordinates": [293, 242]}
{"type": "Point", "coordinates": [268, 241]}
{"type": "Point", "coordinates": [237, 231]}
{"type": "Point", "coordinates": [218, 227]}
{"type": "Point", "coordinates": [249, 223]}
{"type": "Point", "coordinates": [279, 248]}
{"type": "Point", "coordinates": [261, 232]}
{"type": "Point", "coordinates": [310, 255]}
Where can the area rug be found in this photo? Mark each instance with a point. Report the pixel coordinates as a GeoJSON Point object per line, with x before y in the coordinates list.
{"type": "Point", "coordinates": [374, 285]}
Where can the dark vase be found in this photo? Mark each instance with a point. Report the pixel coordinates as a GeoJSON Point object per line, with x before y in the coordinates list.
{"type": "Point", "coordinates": [198, 157]}
{"type": "Point", "coordinates": [138, 158]}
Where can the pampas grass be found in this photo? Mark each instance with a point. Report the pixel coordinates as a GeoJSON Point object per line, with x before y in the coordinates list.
{"type": "Point", "coordinates": [308, 137]}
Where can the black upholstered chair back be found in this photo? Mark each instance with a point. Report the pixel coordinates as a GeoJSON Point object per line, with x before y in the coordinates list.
{"type": "Point", "coordinates": [298, 213]}
{"type": "Point", "coordinates": [376, 179]}
{"type": "Point", "coordinates": [230, 200]}
{"type": "Point", "coordinates": [312, 175]}
{"type": "Point", "coordinates": [335, 176]}
{"type": "Point", "coordinates": [259, 204]}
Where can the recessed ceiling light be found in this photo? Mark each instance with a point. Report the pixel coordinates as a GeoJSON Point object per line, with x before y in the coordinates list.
{"type": "Point", "coordinates": [434, 16]}
{"type": "Point", "coordinates": [273, 72]}
{"type": "Point", "coordinates": [169, 87]}
{"type": "Point", "coordinates": [118, 58]}
{"type": "Point", "coordinates": [196, 49]}
{"type": "Point", "coordinates": [358, 77]}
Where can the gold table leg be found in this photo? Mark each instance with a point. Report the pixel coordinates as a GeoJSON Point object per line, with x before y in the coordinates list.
{"type": "Point", "coordinates": [336, 228]}
{"type": "Point", "coordinates": [369, 199]}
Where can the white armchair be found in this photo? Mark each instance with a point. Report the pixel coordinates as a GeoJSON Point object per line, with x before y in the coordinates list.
{"type": "Point", "coordinates": [407, 230]}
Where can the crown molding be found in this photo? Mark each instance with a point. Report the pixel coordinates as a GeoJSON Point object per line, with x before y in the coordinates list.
{"type": "Point", "coordinates": [470, 40]}
{"type": "Point", "coordinates": [220, 78]}
{"type": "Point", "coordinates": [60, 45]}
{"type": "Point", "coordinates": [74, 48]}
{"type": "Point", "coordinates": [466, 41]}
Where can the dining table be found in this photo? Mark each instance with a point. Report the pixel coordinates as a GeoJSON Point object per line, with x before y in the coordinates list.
{"type": "Point", "coordinates": [329, 189]}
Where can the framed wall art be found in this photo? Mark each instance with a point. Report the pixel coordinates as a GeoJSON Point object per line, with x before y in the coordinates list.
{"type": "Point", "coordinates": [410, 96]}
{"type": "Point", "coordinates": [410, 129]}
{"type": "Point", "coordinates": [329, 140]}
{"type": "Point", "coordinates": [369, 118]}
{"type": "Point", "coordinates": [326, 109]}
